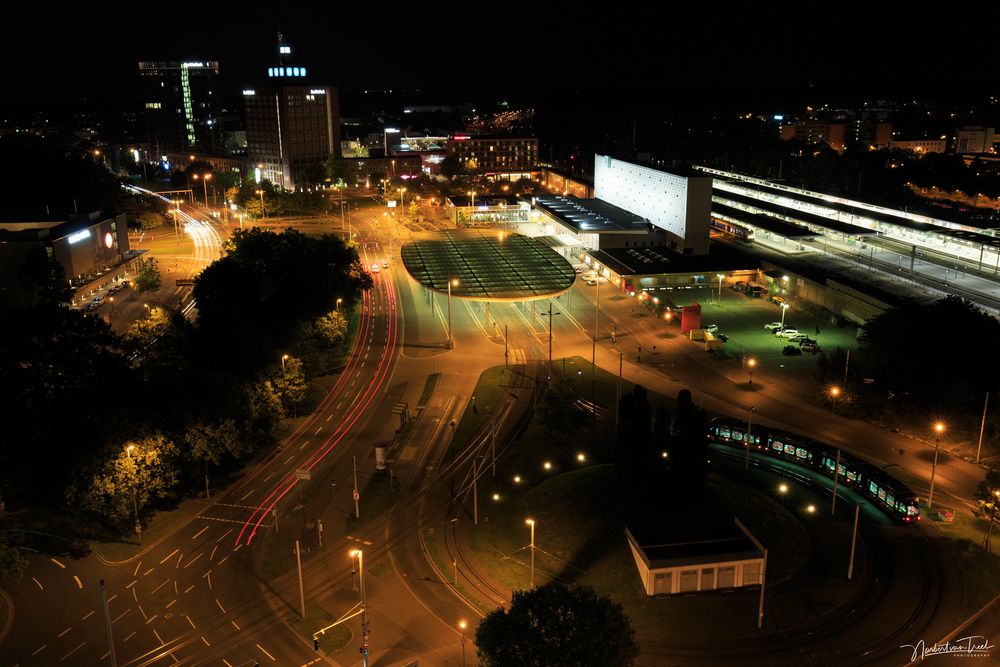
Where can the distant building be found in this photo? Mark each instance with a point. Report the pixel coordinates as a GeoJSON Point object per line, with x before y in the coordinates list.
{"type": "Point", "coordinates": [86, 246]}
{"type": "Point", "coordinates": [677, 203]}
{"type": "Point", "coordinates": [514, 157]}
{"type": "Point", "coordinates": [974, 140]}
{"type": "Point", "coordinates": [920, 146]}
{"type": "Point", "coordinates": [368, 169]}
{"type": "Point", "coordinates": [291, 122]}
{"type": "Point", "coordinates": [179, 104]}
{"type": "Point", "coordinates": [815, 132]}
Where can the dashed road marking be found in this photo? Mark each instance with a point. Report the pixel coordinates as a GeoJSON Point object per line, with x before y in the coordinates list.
{"type": "Point", "coordinates": [206, 641]}
{"type": "Point", "coordinates": [158, 637]}
{"type": "Point", "coordinates": [195, 560]}
{"type": "Point", "coordinates": [122, 615]}
{"type": "Point", "coordinates": [171, 603]}
{"type": "Point", "coordinates": [89, 614]}
{"type": "Point", "coordinates": [141, 611]}
{"type": "Point", "coordinates": [112, 598]}
{"type": "Point", "coordinates": [270, 476]}
{"type": "Point", "coordinates": [329, 417]}
{"type": "Point", "coordinates": [266, 653]}
{"type": "Point", "coordinates": [160, 586]}
{"type": "Point", "coordinates": [318, 430]}
{"type": "Point", "coordinates": [135, 572]}
{"type": "Point", "coordinates": [146, 573]}
{"type": "Point", "coordinates": [228, 664]}
{"type": "Point", "coordinates": [134, 582]}
{"type": "Point", "coordinates": [78, 582]}
{"type": "Point", "coordinates": [224, 559]}
{"type": "Point", "coordinates": [190, 621]}
{"type": "Point", "coordinates": [65, 631]}
{"type": "Point", "coordinates": [220, 605]}
{"type": "Point", "coordinates": [151, 619]}
{"type": "Point", "coordinates": [130, 636]}
{"type": "Point", "coordinates": [214, 549]}
{"type": "Point", "coordinates": [171, 554]}
{"type": "Point", "coordinates": [58, 563]}
{"type": "Point", "coordinates": [188, 589]}
{"type": "Point", "coordinates": [198, 534]}
{"type": "Point", "coordinates": [42, 648]}
{"type": "Point", "coordinates": [234, 625]}
{"type": "Point", "coordinates": [224, 535]}
{"type": "Point", "coordinates": [40, 587]}
{"type": "Point", "coordinates": [247, 495]}
{"type": "Point", "coordinates": [289, 459]}
{"type": "Point", "coordinates": [72, 652]}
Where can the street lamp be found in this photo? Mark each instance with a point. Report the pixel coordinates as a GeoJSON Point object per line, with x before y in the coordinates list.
{"type": "Point", "coordinates": [402, 202]}
{"type": "Point", "coordinates": [364, 605]}
{"type": "Point", "coordinates": [452, 282]}
{"type": "Point", "coordinates": [751, 362]}
{"type": "Point", "coordinates": [720, 277]}
{"type": "Point", "coordinates": [461, 626]}
{"type": "Point", "coordinates": [263, 213]}
{"type": "Point", "coordinates": [339, 301]}
{"type": "Point", "coordinates": [784, 307]}
{"type": "Point", "coordinates": [938, 430]}
{"type": "Point", "coordinates": [135, 503]}
{"type": "Point", "coordinates": [284, 358]}
{"type": "Point", "coordinates": [531, 522]}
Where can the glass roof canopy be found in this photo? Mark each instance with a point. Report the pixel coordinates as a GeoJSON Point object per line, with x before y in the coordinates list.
{"type": "Point", "coordinates": [489, 266]}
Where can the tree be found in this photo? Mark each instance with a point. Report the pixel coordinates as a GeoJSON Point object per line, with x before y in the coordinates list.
{"type": "Point", "coordinates": [126, 479]}
{"type": "Point", "coordinates": [688, 445]}
{"type": "Point", "coordinates": [290, 384]}
{"type": "Point", "coordinates": [987, 497]}
{"type": "Point", "coordinates": [264, 410]}
{"type": "Point", "coordinates": [12, 563]}
{"type": "Point", "coordinates": [634, 458]}
{"type": "Point", "coordinates": [557, 412]}
{"type": "Point", "coordinates": [150, 220]}
{"type": "Point", "coordinates": [148, 278]}
{"type": "Point", "coordinates": [331, 328]}
{"type": "Point", "coordinates": [557, 626]}
{"type": "Point", "coordinates": [213, 442]}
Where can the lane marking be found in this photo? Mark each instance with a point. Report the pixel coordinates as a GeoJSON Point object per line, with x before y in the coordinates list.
{"type": "Point", "coordinates": [171, 604]}
{"type": "Point", "coordinates": [247, 495]}
{"type": "Point", "coordinates": [234, 625]}
{"type": "Point", "coordinates": [158, 637]}
{"type": "Point", "coordinates": [78, 582]}
{"type": "Point", "coordinates": [65, 631]}
{"type": "Point", "coordinates": [151, 619]}
{"type": "Point", "coordinates": [191, 622]}
{"type": "Point", "coordinates": [175, 587]}
{"type": "Point", "coordinates": [129, 637]}
{"type": "Point", "coordinates": [212, 557]}
{"type": "Point", "coordinates": [195, 560]}
{"type": "Point", "coordinates": [318, 430]}
{"type": "Point", "coordinates": [266, 653]}
{"type": "Point", "coordinates": [122, 615]}
{"type": "Point", "coordinates": [206, 641]}
{"type": "Point", "coordinates": [329, 417]}
{"type": "Point", "coordinates": [146, 573]}
{"type": "Point", "coordinates": [198, 534]}
{"type": "Point", "coordinates": [89, 614]}
{"type": "Point", "coordinates": [289, 459]}
{"type": "Point", "coordinates": [160, 586]}
{"type": "Point", "coordinates": [267, 478]}
{"type": "Point", "coordinates": [40, 587]}
{"type": "Point", "coordinates": [224, 559]}
{"type": "Point", "coordinates": [72, 652]}
{"type": "Point", "coordinates": [135, 572]}
{"type": "Point", "coordinates": [142, 611]}
{"type": "Point", "coordinates": [58, 563]}
{"type": "Point", "coordinates": [224, 535]}
{"type": "Point", "coordinates": [338, 405]}
{"type": "Point", "coordinates": [42, 648]}
{"type": "Point", "coordinates": [228, 664]}
{"type": "Point", "coordinates": [188, 589]}
{"type": "Point", "coordinates": [134, 582]}
{"type": "Point", "coordinates": [220, 605]}
{"type": "Point", "coordinates": [171, 554]}
{"type": "Point", "coordinates": [135, 596]}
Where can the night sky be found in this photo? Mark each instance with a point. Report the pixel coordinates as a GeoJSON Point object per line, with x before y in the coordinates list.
{"type": "Point", "coordinates": [756, 54]}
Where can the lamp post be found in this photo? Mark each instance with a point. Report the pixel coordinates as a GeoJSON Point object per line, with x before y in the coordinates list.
{"type": "Point", "coordinates": [531, 523]}
{"type": "Point", "coordinates": [784, 307]}
{"type": "Point", "coordinates": [284, 358]}
{"type": "Point", "coordinates": [263, 213]}
{"type": "Point", "coordinates": [135, 503]}
{"type": "Point", "coordinates": [751, 362]}
{"type": "Point", "coordinates": [720, 277]}
{"type": "Point", "coordinates": [364, 605]}
{"type": "Point", "coordinates": [402, 206]}
{"type": "Point", "coordinates": [938, 430]}
{"type": "Point", "coordinates": [461, 626]}
{"type": "Point", "coordinates": [339, 301]}
{"type": "Point", "coordinates": [453, 281]}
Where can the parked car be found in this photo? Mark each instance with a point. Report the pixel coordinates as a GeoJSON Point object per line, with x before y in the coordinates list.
{"type": "Point", "coordinates": [776, 300]}
{"type": "Point", "coordinates": [801, 338]}
{"type": "Point", "coordinates": [591, 281]}
{"type": "Point", "coordinates": [773, 327]}
{"type": "Point", "coordinates": [739, 286]}
{"type": "Point", "coordinates": [712, 329]}
{"type": "Point", "coordinates": [787, 333]}
{"type": "Point", "coordinates": [810, 346]}
{"type": "Point", "coordinates": [791, 351]}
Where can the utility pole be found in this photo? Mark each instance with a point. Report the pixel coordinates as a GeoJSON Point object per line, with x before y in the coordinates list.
{"type": "Point", "coordinates": [357, 495]}
{"type": "Point", "coordinates": [107, 622]}
{"type": "Point", "coordinates": [836, 474]}
{"type": "Point", "coordinates": [302, 590]}
{"type": "Point", "coordinates": [982, 426]}
{"type": "Point", "coordinates": [746, 463]}
{"type": "Point", "coordinates": [854, 539]}
{"type": "Point", "coordinates": [475, 491]}
{"type": "Point", "coordinates": [618, 391]}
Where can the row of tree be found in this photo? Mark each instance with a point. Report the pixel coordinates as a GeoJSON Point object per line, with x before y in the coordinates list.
{"type": "Point", "coordinates": [118, 425]}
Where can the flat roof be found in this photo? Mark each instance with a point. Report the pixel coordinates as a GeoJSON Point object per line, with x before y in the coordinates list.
{"type": "Point", "coordinates": [787, 229]}
{"type": "Point", "coordinates": [593, 216]}
{"type": "Point", "coordinates": [489, 265]}
{"type": "Point", "coordinates": [486, 200]}
{"type": "Point", "coordinates": [808, 218]}
{"type": "Point", "coordinates": [732, 545]}
{"type": "Point", "coordinates": [652, 261]}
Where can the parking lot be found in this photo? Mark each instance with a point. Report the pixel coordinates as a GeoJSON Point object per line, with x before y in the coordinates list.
{"type": "Point", "coordinates": [742, 319]}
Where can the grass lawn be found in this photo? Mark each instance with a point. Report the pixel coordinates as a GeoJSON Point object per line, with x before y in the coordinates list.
{"type": "Point", "coordinates": [317, 617]}
{"type": "Point", "coordinates": [980, 569]}
{"type": "Point", "coordinates": [375, 499]}
{"type": "Point", "coordinates": [490, 389]}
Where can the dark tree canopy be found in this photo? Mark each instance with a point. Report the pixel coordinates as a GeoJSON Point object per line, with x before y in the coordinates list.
{"type": "Point", "coordinates": [688, 445]}
{"type": "Point", "coordinates": [915, 352]}
{"type": "Point", "coordinates": [557, 626]}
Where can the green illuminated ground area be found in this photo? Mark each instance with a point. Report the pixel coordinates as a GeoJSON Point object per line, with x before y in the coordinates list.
{"type": "Point", "coordinates": [488, 265]}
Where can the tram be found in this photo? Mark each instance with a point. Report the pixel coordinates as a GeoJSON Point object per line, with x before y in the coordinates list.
{"type": "Point", "coordinates": [735, 229]}
{"type": "Point", "coordinates": [885, 492]}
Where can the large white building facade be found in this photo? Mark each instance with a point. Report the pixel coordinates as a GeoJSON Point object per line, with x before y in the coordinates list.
{"type": "Point", "coordinates": [677, 203]}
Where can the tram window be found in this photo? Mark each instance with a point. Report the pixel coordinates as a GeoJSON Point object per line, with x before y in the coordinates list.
{"type": "Point", "coordinates": [776, 445]}
{"type": "Point", "coordinates": [790, 449]}
{"type": "Point", "coordinates": [851, 475]}
{"type": "Point", "coordinates": [873, 487]}
{"type": "Point", "coordinates": [737, 436]}
{"type": "Point", "coordinates": [724, 432]}
{"type": "Point", "coordinates": [881, 494]}
{"type": "Point", "coordinates": [801, 453]}
{"type": "Point", "coordinates": [889, 499]}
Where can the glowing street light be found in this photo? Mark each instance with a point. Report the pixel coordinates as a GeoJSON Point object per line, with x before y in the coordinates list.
{"type": "Point", "coordinates": [451, 283]}
{"type": "Point", "coordinates": [284, 358]}
{"type": "Point", "coordinates": [938, 430]}
{"type": "Point", "coordinates": [461, 626]}
{"type": "Point", "coordinates": [531, 523]}
{"type": "Point", "coordinates": [263, 212]}
{"type": "Point", "coordinates": [135, 503]}
{"type": "Point", "coordinates": [784, 307]}
{"type": "Point", "coordinates": [357, 553]}
{"type": "Point", "coordinates": [751, 362]}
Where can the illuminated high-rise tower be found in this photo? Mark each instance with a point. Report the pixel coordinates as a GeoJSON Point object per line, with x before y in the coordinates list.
{"type": "Point", "coordinates": [179, 104]}
{"type": "Point", "coordinates": [292, 122]}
